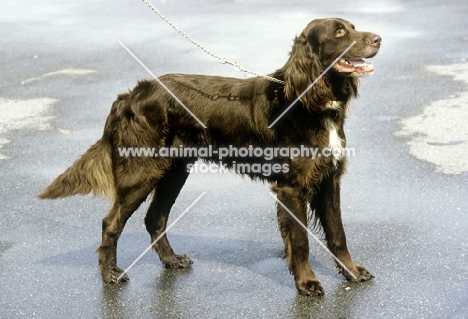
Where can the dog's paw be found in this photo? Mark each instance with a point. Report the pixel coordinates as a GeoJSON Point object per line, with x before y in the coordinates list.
{"type": "Point", "coordinates": [360, 274]}
{"type": "Point", "coordinates": [177, 262]}
{"type": "Point", "coordinates": [114, 276]}
{"type": "Point", "coordinates": [310, 287]}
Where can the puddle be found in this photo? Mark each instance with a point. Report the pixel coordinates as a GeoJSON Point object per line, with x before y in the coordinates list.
{"type": "Point", "coordinates": [33, 114]}
{"type": "Point", "coordinates": [69, 71]}
{"type": "Point", "coordinates": [24, 114]}
{"type": "Point", "coordinates": [440, 134]}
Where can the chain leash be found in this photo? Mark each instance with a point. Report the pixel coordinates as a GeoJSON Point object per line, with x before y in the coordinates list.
{"type": "Point", "coordinates": [213, 97]}
{"type": "Point", "coordinates": [220, 59]}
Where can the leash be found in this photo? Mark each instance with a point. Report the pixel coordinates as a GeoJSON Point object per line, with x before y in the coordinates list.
{"type": "Point", "coordinates": [220, 59]}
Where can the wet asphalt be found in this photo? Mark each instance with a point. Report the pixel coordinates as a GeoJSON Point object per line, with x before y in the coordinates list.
{"type": "Point", "coordinates": [405, 220]}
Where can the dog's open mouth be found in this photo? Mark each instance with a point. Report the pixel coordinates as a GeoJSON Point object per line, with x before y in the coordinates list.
{"type": "Point", "coordinates": [357, 66]}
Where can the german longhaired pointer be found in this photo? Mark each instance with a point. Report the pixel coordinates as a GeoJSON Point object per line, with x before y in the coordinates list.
{"type": "Point", "coordinates": [236, 112]}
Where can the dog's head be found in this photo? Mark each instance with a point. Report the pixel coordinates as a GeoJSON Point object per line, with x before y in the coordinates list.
{"type": "Point", "coordinates": [330, 37]}
{"type": "Point", "coordinates": [316, 50]}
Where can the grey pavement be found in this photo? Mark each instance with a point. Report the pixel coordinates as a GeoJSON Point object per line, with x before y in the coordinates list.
{"type": "Point", "coordinates": [404, 197]}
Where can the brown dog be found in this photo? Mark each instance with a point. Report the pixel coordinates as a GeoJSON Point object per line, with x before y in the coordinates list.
{"type": "Point", "coordinates": [236, 112]}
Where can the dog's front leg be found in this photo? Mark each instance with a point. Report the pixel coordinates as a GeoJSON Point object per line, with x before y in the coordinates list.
{"type": "Point", "coordinates": [296, 243]}
{"type": "Point", "coordinates": [328, 211]}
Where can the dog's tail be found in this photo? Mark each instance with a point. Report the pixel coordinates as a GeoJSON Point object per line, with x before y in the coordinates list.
{"type": "Point", "coordinates": [91, 172]}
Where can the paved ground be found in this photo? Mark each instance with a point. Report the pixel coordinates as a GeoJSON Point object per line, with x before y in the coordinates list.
{"type": "Point", "coordinates": [404, 198]}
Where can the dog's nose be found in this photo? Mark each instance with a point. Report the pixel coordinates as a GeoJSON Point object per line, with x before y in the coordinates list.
{"type": "Point", "coordinates": [374, 39]}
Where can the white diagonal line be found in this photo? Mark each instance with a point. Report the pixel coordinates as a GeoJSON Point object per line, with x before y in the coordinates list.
{"type": "Point", "coordinates": [313, 83]}
{"type": "Point", "coordinates": [315, 237]}
{"type": "Point", "coordinates": [162, 84]}
{"type": "Point", "coordinates": [160, 236]}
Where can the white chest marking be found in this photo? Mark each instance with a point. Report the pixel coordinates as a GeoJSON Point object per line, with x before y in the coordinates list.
{"type": "Point", "coordinates": [334, 105]}
{"type": "Point", "coordinates": [335, 143]}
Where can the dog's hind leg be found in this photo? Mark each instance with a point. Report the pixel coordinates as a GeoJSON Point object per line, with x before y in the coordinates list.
{"type": "Point", "coordinates": [165, 194]}
{"type": "Point", "coordinates": [329, 214]}
{"type": "Point", "coordinates": [126, 202]}
{"type": "Point", "coordinates": [296, 242]}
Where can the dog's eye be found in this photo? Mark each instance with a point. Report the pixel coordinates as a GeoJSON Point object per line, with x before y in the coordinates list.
{"type": "Point", "coordinates": [340, 33]}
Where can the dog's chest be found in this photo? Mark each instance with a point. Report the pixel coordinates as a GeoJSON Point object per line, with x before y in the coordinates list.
{"type": "Point", "coordinates": [327, 135]}
{"type": "Point", "coordinates": [335, 146]}
{"type": "Point", "coordinates": [326, 154]}
{"type": "Point", "coordinates": [326, 141]}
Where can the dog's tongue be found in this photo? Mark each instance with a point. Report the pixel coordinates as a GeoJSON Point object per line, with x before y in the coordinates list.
{"type": "Point", "coordinates": [355, 66]}
{"type": "Point", "coordinates": [359, 63]}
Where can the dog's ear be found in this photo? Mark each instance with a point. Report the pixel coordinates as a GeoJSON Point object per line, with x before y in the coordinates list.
{"type": "Point", "coordinates": [302, 69]}
{"type": "Point", "coordinates": [316, 35]}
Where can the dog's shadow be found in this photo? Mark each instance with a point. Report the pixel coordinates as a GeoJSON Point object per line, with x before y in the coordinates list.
{"type": "Point", "coordinates": [259, 258]}
{"type": "Point", "coordinates": [262, 258]}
